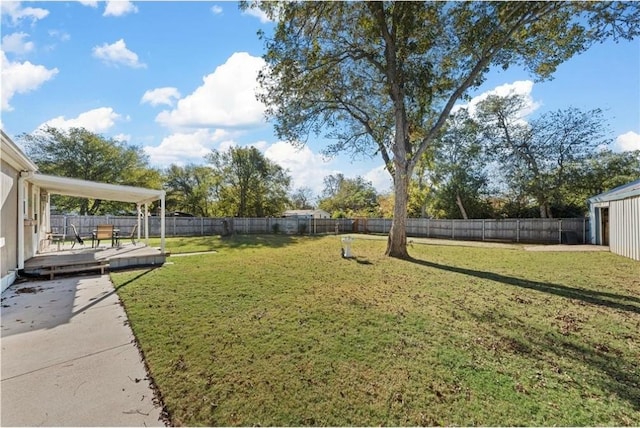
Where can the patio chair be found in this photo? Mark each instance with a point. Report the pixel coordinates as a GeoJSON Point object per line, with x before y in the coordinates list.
{"type": "Point", "coordinates": [56, 237]}
{"type": "Point", "coordinates": [103, 231]}
{"type": "Point", "coordinates": [77, 238]}
{"type": "Point", "coordinates": [131, 235]}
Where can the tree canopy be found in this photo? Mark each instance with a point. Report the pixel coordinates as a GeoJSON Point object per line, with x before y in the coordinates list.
{"type": "Point", "coordinates": [382, 77]}
{"type": "Point", "coordinates": [349, 197]}
{"type": "Point", "coordinates": [250, 184]}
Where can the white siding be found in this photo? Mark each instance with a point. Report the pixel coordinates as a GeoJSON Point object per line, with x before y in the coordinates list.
{"type": "Point", "coordinates": [624, 227]}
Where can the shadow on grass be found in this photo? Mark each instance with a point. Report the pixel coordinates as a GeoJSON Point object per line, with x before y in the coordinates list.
{"type": "Point", "coordinates": [609, 300]}
{"type": "Point", "coordinates": [359, 260]}
{"type": "Point", "coordinates": [115, 290]}
{"type": "Point", "coordinates": [616, 374]}
{"type": "Point", "coordinates": [235, 241]}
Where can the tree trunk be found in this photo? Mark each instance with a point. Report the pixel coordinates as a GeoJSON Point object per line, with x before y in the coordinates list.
{"type": "Point", "coordinates": [461, 206]}
{"type": "Point", "coordinates": [397, 242]}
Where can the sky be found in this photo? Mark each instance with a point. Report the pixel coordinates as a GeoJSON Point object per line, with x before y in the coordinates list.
{"type": "Point", "coordinates": [178, 79]}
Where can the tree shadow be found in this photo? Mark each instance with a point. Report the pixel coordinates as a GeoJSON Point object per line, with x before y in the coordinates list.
{"type": "Point", "coordinates": [610, 300]}
{"type": "Point", "coordinates": [233, 241]}
{"type": "Point", "coordinates": [617, 375]}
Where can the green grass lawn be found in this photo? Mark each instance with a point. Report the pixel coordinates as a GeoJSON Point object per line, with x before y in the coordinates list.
{"type": "Point", "coordinates": [278, 330]}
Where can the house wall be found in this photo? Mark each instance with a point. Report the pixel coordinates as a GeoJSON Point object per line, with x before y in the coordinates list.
{"type": "Point", "coordinates": [624, 227]}
{"type": "Point", "coordinates": [8, 221]}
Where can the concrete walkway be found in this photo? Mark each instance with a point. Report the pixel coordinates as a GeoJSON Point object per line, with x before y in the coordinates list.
{"type": "Point", "coordinates": [68, 357]}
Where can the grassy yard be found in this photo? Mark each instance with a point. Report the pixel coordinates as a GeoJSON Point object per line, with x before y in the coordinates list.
{"type": "Point", "coordinates": [277, 330]}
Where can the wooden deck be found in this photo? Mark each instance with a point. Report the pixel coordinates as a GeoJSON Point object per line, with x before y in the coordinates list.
{"type": "Point", "coordinates": [76, 260]}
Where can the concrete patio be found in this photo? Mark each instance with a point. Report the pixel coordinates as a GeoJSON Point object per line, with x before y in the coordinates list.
{"type": "Point", "coordinates": [69, 357]}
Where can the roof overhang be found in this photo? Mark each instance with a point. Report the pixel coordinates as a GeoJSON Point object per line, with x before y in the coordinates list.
{"type": "Point", "coordinates": [622, 192]}
{"type": "Point", "coordinates": [12, 154]}
{"type": "Point", "coordinates": [94, 190]}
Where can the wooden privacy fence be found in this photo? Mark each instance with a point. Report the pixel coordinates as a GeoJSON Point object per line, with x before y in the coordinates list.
{"type": "Point", "coordinates": [544, 231]}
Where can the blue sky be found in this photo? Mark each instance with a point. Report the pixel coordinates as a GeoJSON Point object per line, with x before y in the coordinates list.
{"type": "Point", "coordinates": [178, 79]}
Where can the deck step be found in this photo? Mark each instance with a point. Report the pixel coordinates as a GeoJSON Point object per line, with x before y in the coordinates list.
{"type": "Point", "coordinates": [75, 267]}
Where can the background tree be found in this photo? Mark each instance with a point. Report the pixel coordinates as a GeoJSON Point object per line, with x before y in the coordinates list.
{"type": "Point", "coordinates": [382, 77]}
{"type": "Point", "coordinates": [535, 155]}
{"type": "Point", "coordinates": [349, 197]}
{"type": "Point", "coordinates": [601, 171]}
{"type": "Point", "coordinates": [78, 153]}
{"type": "Point", "coordinates": [250, 184]}
{"type": "Point", "coordinates": [302, 199]}
{"type": "Point", "coordinates": [458, 173]}
{"type": "Point", "coordinates": [193, 189]}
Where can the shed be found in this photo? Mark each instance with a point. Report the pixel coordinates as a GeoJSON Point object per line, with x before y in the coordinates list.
{"type": "Point", "coordinates": [306, 214]}
{"type": "Point", "coordinates": [615, 219]}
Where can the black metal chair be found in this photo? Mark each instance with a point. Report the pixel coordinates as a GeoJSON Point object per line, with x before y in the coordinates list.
{"type": "Point", "coordinates": [77, 238]}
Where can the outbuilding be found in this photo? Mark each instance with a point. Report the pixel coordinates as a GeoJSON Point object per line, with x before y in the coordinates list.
{"type": "Point", "coordinates": [317, 213]}
{"type": "Point", "coordinates": [615, 219]}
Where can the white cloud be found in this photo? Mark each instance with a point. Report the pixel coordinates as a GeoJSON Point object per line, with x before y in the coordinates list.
{"type": "Point", "coordinates": [257, 13]}
{"type": "Point", "coordinates": [159, 96]}
{"type": "Point", "coordinates": [17, 13]}
{"type": "Point", "coordinates": [15, 43]}
{"type": "Point", "coordinates": [61, 35]}
{"type": "Point", "coordinates": [380, 178]}
{"type": "Point", "coordinates": [119, 8]}
{"type": "Point", "coordinates": [97, 120]}
{"type": "Point", "coordinates": [227, 97]}
{"type": "Point", "coordinates": [21, 77]}
{"type": "Point", "coordinates": [628, 142]}
{"type": "Point", "coordinates": [307, 169]}
{"type": "Point", "coordinates": [90, 3]}
{"type": "Point", "coordinates": [117, 54]}
{"type": "Point", "coordinates": [122, 137]}
{"type": "Point", "coordinates": [184, 148]}
{"type": "Point", "coordinates": [520, 87]}
{"type": "Point", "coordinates": [215, 9]}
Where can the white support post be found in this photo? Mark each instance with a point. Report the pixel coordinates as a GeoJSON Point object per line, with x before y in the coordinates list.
{"type": "Point", "coordinates": [139, 220]}
{"type": "Point", "coordinates": [146, 223]}
{"type": "Point", "coordinates": [21, 208]}
{"type": "Point", "coordinates": [162, 230]}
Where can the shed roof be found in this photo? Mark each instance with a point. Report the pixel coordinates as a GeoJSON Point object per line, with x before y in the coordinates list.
{"type": "Point", "coordinates": [622, 192]}
{"type": "Point", "coordinates": [94, 190]}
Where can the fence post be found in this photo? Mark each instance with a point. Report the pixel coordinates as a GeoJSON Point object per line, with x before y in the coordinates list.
{"type": "Point", "coordinates": [517, 230]}
{"type": "Point", "coordinates": [453, 229]}
{"type": "Point", "coordinates": [560, 231]}
{"type": "Point", "coordinates": [584, 230]}
{"type": "Point", "coordinates": [483, 229]}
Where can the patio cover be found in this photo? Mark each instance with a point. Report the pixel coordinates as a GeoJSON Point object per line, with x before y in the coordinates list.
{"type": "Point", "coordinates": [94, 190]}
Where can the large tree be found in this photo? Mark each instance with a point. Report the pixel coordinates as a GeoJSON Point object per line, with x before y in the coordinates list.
{"type": "Point", "coordinates": [79, 153]}
{"type": "Point", "coordinates": [192, 188]}
{"type": "Point", "coordinates": [536, 155]}
{"type": "Point", "coordinates": [349, 197]}
{"type": "Point", "coordinates": [250, 184]}
{"type": "Point", "coordinates": [382, 77]}
{"type": "Point", "coordinates": [458, 172]}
